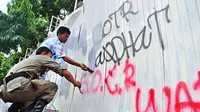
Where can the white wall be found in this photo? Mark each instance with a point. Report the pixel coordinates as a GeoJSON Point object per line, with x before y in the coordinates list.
{"type": "Point", "coordinates": [161, 39]}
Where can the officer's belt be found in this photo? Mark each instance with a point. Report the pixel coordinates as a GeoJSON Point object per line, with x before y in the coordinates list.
{"type": "Point", "coordinates": [14, 75]}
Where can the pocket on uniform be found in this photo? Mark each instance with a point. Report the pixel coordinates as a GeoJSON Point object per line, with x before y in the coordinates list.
{"type": "Point", "coordinates": [16, 84]}
{"type": "Point", "coordinates": [12, 87]}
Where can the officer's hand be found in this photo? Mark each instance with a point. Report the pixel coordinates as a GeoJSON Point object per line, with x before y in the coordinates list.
{"type": "Point", "coordinates": [77, 84]}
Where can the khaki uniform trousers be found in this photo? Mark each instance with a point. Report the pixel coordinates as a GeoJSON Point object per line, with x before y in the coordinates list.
{"type": "Point", "coordinates": [32, 90]}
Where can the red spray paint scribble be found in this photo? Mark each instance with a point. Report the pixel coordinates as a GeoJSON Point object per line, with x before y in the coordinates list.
{"type": "Point", "coordinates": [137, 99]}
{"type": "Point", "coordinates": [85, 84]}
{"type": "Point", "coordinates": [167, 92]}
{"type": "Point", "coordinates": [151, 100]}
{"type": "Point", "coordinates": [97, 73]}
{"type": "Point", "coordinates": [129, 79]}
{"type": "Point", "coordinates": [111, 74]}
{"type": "Point", "coordinates": [190, 103]}
{"type": "Point", "coordinates": [129, 82]}
{"type": "Point", "coordinates": [197, 83]}
{"type": "Point", "coordinates": [129, 72]}
{"type": "Point", "coordinates": [101, 88]}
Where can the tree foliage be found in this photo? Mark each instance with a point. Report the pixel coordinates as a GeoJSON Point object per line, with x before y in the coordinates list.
{"type": "Point", "coordinates": [21, 10]}
{"type": "Point", "coordinates": [26, 24]}
{"type": "Point", "coordinates": [9, 38]}
{"type": "Point", "coordinates": [48, 8]}
{"type": "Point", "coordinates": [7, 62]}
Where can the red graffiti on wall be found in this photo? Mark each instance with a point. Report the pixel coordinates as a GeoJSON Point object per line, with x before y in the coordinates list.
{"type": "Point", "coordinates": [137, 99]}
{"type": "Point", "coordinates": [195, 106]}
{"type": "Point", "coordinates": [95, 89]}
{"type": "Point", "coordinates": [111, 74]}
{"type": "Point", "coordinates": [113, 89]}
{"type": "Point", "coordinates": [129, 82]}
{"type": "Point", "coordinates": [129, 79]}
{"type": "Point", "coordinates": [180, 105]}
{"type": "Point", "coordinates": [151, 100]}
{"type": "Point", "coordinates": [85, 84]}
{"type": "Point", "coordinates": [167, 92]}
{"type": "Point", "coordinates": [197, 83]}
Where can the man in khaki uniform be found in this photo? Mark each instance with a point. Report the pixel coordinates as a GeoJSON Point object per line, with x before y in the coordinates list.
{"type": "Point", "coordinates": [23, 87]}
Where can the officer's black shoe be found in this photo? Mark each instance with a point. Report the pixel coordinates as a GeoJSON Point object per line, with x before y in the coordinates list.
{"type": "Point", "coordinates": [39, 106]}
{"type": "Point", "coordinates": [14, 107]}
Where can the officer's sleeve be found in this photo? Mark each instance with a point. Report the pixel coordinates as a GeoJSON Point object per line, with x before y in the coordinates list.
{"type": "Point", "coordinates": [52, 65]}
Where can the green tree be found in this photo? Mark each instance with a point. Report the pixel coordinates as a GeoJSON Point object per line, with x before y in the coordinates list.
{"type": "Point", "coordinates": [33, 18]}
{"type": "Point", "coordinates": [48, 8]}
{"type": "Point", "coordinates": [21, 10]}
{"type": "Point", "coordinates": [9, 38]}
{"type": "Point", "coordinates": [26, 24]}
{"type": "Point", "coordinates": [7, 62]}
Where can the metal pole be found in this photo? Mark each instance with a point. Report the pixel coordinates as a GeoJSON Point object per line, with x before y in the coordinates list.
{"type": "Point", "coordinates": [50, 24]}
{"type": "Point", "coordinates": [75, 4]}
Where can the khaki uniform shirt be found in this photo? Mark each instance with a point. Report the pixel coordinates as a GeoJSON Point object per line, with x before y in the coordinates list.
{"type": "Point", "coordinates": [34, 66]}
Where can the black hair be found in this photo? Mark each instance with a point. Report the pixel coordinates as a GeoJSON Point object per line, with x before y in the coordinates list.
{"type": "Point", "coordinates": [43, 49]}
{"type": "Point", "coordinates": [63, 30]}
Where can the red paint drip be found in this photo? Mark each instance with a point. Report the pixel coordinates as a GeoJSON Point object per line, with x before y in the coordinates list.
{"type": "Point", "coordinates": [137, 103]}
{"type": "Point", "coordinates": [197, 83]}
{"type": "Point", "coordinates": [151, 100]}
{"type": "Point", "coordinates": [167, 92]}
{"type": "Point", "coordinates": [120, 90]}
{"type": "Point", "coordinates": [101, 89]}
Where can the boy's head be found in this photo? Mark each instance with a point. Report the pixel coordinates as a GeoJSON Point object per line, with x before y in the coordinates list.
{"type": "Point", "coordinates": [63, 33]}
{"type": "Point", "coordinates": [44, 51]}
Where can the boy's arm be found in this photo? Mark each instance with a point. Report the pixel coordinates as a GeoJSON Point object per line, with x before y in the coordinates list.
{"type": "Point", "coordinates": [73, 62]}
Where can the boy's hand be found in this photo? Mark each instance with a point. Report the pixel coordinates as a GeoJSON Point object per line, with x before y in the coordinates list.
{"type": "Point", "coordinates": [83, 67]}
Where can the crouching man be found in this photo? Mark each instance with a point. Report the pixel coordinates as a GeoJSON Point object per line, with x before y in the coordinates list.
{"type": "Point", "coordinates": [23, 86]}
